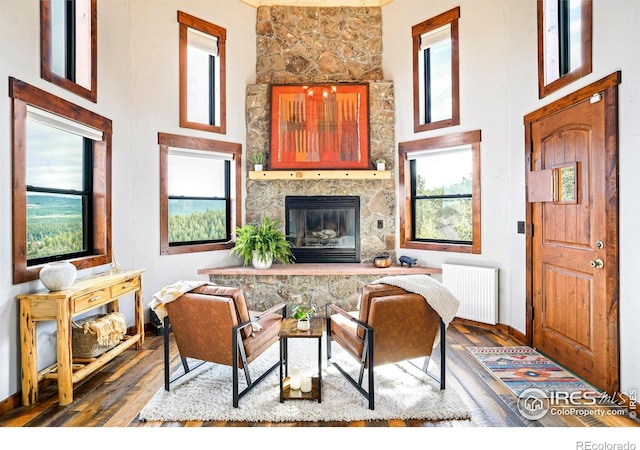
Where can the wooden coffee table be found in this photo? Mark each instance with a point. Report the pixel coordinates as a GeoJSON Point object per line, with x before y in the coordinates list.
{"type": "Point", "coordinates": [289, 330]}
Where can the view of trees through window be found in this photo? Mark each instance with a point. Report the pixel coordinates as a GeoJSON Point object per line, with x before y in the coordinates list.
{"type": "Point", "coordinates": [54, 225]}
{"type": "Point", "coordinates": [197, 220]}
{"type": "Point", "coordinates": [198, 197]}
{"type": "Point", "coordinates": [443, 196]}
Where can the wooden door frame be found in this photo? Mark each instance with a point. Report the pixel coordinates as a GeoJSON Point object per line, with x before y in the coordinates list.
{"type": "Point", "coordinates": [607, 87]}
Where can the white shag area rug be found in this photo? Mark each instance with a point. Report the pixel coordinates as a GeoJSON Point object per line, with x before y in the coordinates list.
{"type": "Point", "coordinates": [402, 392]}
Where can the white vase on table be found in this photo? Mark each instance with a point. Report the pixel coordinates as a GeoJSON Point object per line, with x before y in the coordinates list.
{"type": "Point", "coordinates": [58, 275]}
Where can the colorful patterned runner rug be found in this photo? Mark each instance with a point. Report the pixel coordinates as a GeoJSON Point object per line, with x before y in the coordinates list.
{"type": "Point", "coordinates": [521, 368]}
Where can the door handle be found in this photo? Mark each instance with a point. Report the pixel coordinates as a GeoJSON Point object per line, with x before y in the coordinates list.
{"type": "Point", "coordinates": [597, 263]}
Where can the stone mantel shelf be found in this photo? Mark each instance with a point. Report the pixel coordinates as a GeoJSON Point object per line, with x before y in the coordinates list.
{"type": "Point", "coordinates": [320, 175]}
{"type": "Point", "coordinates": [321, 269]}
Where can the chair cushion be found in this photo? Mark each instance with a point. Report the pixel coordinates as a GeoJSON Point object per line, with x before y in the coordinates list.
{"type": "Point", "coordinates": [239, 301]}
{"type": "Point", "coordinates": [259, 341]}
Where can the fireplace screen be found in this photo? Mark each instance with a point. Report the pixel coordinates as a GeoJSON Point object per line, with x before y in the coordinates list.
{"type": "Point", "coordinates": [324, 228]}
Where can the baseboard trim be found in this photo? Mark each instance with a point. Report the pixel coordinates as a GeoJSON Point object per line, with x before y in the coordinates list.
{"type": "Point", "coordinates": [10, 403]}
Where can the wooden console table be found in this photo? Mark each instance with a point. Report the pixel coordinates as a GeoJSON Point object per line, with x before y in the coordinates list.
{"type": "Point", "coordinates": [61, 306]}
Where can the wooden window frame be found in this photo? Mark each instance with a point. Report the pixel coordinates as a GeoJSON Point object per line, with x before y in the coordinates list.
{"type": "Point", "coordinates": [46, 72]}
{"type": "Point", "coordinates": [187, 21]}
{"type": "Point", "coordinates": [587, 51]}
{"type": "Point", "coordinates": [165, 141]}
{"type": "Point", "coordinates": [405, 150]}
{"type": "Point", "coordinates": [23, 94]}
{"type": "Point", "coordinates": [447, 18]}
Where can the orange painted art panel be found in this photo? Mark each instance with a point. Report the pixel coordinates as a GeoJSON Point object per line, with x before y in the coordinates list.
{"type": "Point", "coordinates": [320, 126]}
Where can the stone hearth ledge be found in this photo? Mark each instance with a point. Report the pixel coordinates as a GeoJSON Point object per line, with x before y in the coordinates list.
{"type": "Point", "coordinates": [321, 269]}
{"type": "Point", "coordinates": [319, 284]}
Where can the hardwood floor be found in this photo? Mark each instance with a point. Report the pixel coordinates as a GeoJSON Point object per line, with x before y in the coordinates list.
{"type": "Point", "coordinates": [113, 396]}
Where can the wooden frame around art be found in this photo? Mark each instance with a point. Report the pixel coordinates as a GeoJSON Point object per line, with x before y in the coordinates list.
{"type": "Point", "coordinates": [322, 126]}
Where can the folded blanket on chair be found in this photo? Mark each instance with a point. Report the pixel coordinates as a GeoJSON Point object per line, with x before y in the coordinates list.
{"type": "Point", "coordinates": [170, 293]}
{"type": "Point", "coordinates": [435, 293]}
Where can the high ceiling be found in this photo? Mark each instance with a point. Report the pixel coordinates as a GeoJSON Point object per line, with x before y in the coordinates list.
{"type": "Point", "coordinates": [326, 3]}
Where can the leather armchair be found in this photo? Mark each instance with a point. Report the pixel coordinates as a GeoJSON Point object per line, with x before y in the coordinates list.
{"type": "Point", "coordinates": [391, 325]}
{"type": "Point", "coordinates": [212, 324]}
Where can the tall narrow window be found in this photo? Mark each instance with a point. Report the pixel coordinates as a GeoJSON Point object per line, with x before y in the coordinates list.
{"type": "Point", "coordinates": [441, 188]}
{"type": "Point", "coordinates": [61, 179]}
{"type": "Point", "coordinates": [202, 74]}
{"type": "Point", "coordinates": [68, 45]}
{"type": "Point", "coordinates": [435, 77]}
{"type": "Point", "coordinates": [564, 43]}
{"type": "Point", "coordinates": [199, 193]}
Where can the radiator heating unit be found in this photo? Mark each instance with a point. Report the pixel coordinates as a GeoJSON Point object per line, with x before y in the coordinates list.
{"type": "Point", "coordinates": [477, 290]}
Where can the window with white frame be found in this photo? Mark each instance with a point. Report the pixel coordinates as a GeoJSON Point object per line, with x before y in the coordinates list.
{"type": "Point", "coordinates": [198, 193]}
{"type": "Point", "coordinates": [435, 44]}
{"type": "Point", "coordinates": [202, 74]}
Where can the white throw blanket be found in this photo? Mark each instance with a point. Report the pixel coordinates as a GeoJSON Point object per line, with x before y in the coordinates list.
{"type": "Point", "coordinates": [170, 293]}
{"type": "Point", "coordinates": [434, 292]}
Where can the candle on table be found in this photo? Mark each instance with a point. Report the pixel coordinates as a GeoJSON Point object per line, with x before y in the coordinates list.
{"type": "Point", "coordinates": [294, 381]}
{"type": "Point", "coordinates": [305, 384]}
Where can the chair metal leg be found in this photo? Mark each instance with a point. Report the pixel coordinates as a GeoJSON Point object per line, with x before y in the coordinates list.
{"type": "Point", "coordinates": [443, 342]}
{"type": "Point", "coordinates": [165, 335]}
{"type": "Point", "coordinates": [234, 356]}
{"type": "Point", "coordinates": [371, 371]}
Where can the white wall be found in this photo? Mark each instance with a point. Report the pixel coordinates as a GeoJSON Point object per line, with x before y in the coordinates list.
{"type": "Point", "coordinates": [138, 91]}
{"type": "Point", "coordinates": [498, 76]}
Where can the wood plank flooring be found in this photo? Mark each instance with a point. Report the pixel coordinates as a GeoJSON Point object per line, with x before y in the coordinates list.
{"type": "Point", "coordinates": [113, 396]}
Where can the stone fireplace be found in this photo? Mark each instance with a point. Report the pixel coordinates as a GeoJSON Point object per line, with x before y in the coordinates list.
{"type": "Point", "coordinates": [323, 228]}
{"type": "Point", "coordinates": [324, 45]}
{"type": "Point", "coordinates": [300, 45]}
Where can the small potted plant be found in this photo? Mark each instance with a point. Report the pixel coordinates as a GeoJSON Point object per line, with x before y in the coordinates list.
{"type": "Point", "coordinates": [304, 315]}
{"type": "Point", "coordinates": [262, 243]}
{"type": "Point", "coordinates": [380, 163]}
{"type": "Point", "coordinates": [258, 160]}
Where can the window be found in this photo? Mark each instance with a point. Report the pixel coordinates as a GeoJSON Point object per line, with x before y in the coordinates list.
{"type": "Point", "coordinates": [564, 43]}
{"type": "Point", "coordinates": [61, 179]}
{"type": "Point", "coordinates": [68, 45]}
{"type": "Point", "coordinates": [202, 75]}
{"type": "Point", "coordinates": [435, 72]}
{"type": "Point", "coordinates": [440, 185]}
{"type": "Point", "coordinates": [199, 193]}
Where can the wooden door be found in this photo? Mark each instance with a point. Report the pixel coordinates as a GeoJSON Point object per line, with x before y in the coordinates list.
{"type": "Point", "coordinates": [572, 187]}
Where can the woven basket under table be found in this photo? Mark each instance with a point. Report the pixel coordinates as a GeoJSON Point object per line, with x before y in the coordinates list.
{"type": "Point", "coordinates": [85, 343]}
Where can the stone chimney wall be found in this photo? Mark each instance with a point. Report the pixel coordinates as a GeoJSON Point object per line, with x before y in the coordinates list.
{"type": "Point", "coordinates": [313, 44]}
{"type": "Point", "coordinates": [323, 45]}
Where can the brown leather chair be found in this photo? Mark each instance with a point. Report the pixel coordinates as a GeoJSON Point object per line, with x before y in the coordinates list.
{"type": "Point", "coordinates": [392, 325]}
{"type": "Point", "coordinates": [213, 324]}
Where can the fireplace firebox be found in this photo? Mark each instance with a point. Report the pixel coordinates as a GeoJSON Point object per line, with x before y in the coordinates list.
{"type": "Point", "coordinates": [324, 228]}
